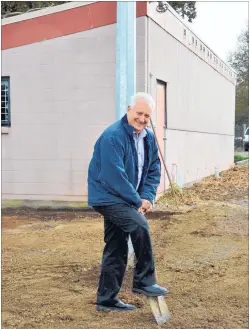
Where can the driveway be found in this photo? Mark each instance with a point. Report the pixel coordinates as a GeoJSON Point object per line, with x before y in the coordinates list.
{"type": "Point", "coordinates": [245, 154]}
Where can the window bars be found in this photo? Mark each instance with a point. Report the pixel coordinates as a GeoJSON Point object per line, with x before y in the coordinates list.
{"type": "Point", "coordinates": [5, 101]}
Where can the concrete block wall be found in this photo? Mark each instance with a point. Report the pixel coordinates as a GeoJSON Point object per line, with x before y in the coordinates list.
{"type": "Point", "coordinates": [200, 107]}
{"type": "Point", "coordinates": [62, 97]}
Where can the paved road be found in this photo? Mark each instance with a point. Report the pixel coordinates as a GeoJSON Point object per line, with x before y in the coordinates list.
{"type": "Point", "coordinates": [245, 154]}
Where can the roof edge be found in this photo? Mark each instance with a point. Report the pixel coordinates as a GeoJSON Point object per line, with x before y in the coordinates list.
{"type": "Point", "coordinates": [190, 28]}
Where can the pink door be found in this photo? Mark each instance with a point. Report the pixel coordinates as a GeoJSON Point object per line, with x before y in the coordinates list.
{"type": "Point", "coordinates": [160, 128]}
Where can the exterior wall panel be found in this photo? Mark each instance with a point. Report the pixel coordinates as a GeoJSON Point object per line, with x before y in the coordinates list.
{"type": "Point", "coordinates": [200, 108]}
{"type": "Point", "coordinates": [62, 98]}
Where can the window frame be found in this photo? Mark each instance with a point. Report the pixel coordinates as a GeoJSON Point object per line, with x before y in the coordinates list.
{"type": "Point", "coordinates": [8, 123]}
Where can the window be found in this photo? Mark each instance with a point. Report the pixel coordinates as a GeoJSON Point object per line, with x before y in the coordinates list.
{"type": "Point", "coordinates": [201, 47]}
{"type": "Point", "coordinates": [208, 53]}
{"type": "Point", "coordinates": [193, 40]}
{"type": "Point", "coordinates": [5, 101]}
{"type": "Point", "coordinates": [204, 49]}
{"type": "Point", "coordinates": [247, 131]}
{"type": "Point", "coordinates": [211, 56]}
{"type": "Point", "coordinates": [184, 33]}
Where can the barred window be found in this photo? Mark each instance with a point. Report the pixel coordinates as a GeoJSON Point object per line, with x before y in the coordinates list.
{"type": "Point", "coordinates": [5, 101]}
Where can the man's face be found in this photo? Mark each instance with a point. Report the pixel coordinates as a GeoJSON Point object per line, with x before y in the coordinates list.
{"type": "Point", "coordinates": [139, 115]}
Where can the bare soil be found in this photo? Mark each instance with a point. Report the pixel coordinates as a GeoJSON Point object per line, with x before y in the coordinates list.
{"type": "Point", "coordinates": [51, 263]}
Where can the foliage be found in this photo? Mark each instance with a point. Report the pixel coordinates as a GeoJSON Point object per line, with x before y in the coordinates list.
{"type": "Point", "coordinates": [24, 6]}
{"type": "Point", "coordinates": [184, 8]}
{"type": "Point", "coordinates": [239, 60]}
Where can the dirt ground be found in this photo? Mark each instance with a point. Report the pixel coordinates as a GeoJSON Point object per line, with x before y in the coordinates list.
{"type": "Point", "coordinates": [51, 263]}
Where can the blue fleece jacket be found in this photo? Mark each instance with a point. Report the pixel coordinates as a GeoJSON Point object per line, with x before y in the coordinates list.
{"type": "Point", "coordinates": [113, 170]}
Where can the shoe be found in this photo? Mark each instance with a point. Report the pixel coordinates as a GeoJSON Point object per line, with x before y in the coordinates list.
{"type": "Point", "coordinates": [151, 291]}
{"type": "Point", "coordinates": [117, 306]}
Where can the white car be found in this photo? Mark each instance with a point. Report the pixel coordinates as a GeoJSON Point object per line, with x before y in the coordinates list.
{"type": "Point", "coordinates": [246, 140]}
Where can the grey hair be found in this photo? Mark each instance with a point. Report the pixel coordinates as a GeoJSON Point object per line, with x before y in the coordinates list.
{"type": "Point", "coordinates": [148, 99]}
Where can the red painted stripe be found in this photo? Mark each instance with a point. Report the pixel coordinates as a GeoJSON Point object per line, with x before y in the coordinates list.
{"type": "Point", "coordinates": [63, 23]}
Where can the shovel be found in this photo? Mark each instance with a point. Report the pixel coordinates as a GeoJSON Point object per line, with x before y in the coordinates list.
{"type": "Point", "coordinates": [159, 308]}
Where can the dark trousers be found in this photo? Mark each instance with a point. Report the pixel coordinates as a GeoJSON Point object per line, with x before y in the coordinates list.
{"type": "Point", "coordinates": [120, 221]}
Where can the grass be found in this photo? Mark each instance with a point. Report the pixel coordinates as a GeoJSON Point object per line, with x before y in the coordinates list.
{"type": "Point", "coordinates": [239, 157]}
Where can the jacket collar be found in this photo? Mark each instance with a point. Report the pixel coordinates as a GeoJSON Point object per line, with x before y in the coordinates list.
{"type": "Point", "coordinates": [129, 129]}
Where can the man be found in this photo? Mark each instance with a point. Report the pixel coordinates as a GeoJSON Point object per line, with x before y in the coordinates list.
{"type": "Point", "coordinates": [123, 177]}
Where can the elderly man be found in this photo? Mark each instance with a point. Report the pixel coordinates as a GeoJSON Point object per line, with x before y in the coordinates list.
{"type": "Point", "coordinates": [123, 177]}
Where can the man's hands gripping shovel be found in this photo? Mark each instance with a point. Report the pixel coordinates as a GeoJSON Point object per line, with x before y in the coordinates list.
{"type": "Point", "coordinates": [146, 207]}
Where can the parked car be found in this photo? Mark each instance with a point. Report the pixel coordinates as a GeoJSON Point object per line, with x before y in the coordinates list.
{"type": "Point", "coordinates": [246, 139]}
{"type": "Point", "coordinates": [238, 142]}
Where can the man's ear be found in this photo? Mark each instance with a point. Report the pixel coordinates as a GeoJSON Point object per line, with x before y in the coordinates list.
{"type": "Point", "coordinates": [128, 108]}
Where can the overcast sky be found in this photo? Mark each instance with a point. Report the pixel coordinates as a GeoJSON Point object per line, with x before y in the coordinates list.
{"type": "Point", "coordinates": [219, 24]}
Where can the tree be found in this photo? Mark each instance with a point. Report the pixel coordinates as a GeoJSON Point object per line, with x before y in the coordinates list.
{"type": "Point", "coordinates": [239, 60]}
{"type": "Point", "coordinates": [184, 8]}
{"type": "Point", "coordinates": [242, 108]}
{"type": "Point", "coordinates": [24, 6]}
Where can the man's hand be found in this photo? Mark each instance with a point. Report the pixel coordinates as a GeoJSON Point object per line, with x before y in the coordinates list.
{"type": "Point", "coordinates": [146, 206]}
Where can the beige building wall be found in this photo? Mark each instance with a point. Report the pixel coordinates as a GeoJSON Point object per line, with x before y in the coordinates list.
{"type": "Point", "coordinates": [200, 107]}
{"type": "Point", "coordinates": [62, 95]}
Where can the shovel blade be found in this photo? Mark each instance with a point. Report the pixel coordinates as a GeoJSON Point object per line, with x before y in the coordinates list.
{"type": "Point", "coordinates": [159, 309]}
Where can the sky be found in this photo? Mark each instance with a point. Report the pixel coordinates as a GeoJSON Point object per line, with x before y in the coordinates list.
{"type": "Point", "coordinates": [219, 24]}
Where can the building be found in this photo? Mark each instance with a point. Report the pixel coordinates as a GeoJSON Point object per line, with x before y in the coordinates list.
{"type": "Point", "coordinates": [58, 95]}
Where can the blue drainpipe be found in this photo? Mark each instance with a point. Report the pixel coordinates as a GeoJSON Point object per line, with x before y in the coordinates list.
{"type": "Point", "coordinates": [125, 55]}
{"type": "Point", "coordinates": [125, 65]}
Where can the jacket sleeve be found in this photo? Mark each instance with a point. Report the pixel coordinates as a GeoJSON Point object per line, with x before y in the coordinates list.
{"type": "Point", "coordinates": [152, 181]}
{"type": "Point", "coordinates": [112, 172]}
